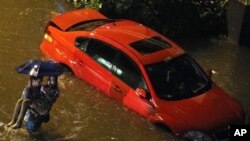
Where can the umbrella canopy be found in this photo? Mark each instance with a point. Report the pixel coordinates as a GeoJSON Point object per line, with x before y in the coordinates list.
{"type": "Point", "coordinates": [39, 68]}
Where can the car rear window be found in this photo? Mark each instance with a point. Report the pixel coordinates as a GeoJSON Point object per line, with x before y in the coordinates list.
{"type": "Point", "coordinates": [150, 45]}
{"type": "Point", "coordinates": [90, 25]}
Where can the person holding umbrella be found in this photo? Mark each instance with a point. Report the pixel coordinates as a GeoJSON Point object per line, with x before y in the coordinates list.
{"type": "Point", "coordinates": [39, 111]}
{"type": "Point", "coordinates": [36, 100]}
{"type": "Point", "coordinates": [49, 93]}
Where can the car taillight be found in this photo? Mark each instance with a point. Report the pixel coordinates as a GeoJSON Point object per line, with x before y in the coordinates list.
{"type": "Point", "coordinates": [48, 37]}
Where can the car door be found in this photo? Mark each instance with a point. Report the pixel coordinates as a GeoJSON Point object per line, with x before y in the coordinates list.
{"type": "Point", "coordinates": [93, 61]}
{"type": "Point", "coordinates": [126, 79]}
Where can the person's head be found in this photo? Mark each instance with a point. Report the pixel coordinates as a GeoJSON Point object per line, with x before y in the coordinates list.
{"type": "Point", "coordinates": [52, 81]}
{"type": "Point", "coordinates": [36, 81]}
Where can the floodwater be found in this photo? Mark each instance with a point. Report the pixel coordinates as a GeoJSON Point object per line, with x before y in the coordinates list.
{"type": "Point", "coordinates": [81, 112]}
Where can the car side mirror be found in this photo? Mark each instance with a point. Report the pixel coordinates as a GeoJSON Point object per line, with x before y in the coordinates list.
{"type": "Point", "coordinates": [210, 72]}
{"type": "Point", "coordinates": [140, 92]}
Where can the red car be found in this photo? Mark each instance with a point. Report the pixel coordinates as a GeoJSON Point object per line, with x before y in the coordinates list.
{"type": "Point", "coordinates": [142, 69]}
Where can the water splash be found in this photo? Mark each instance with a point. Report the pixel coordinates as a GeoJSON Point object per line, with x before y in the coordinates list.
{"type": "Point", "coordinates": [11, 134]}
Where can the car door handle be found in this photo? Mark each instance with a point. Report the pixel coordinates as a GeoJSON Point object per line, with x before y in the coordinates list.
{"type": "Point", "coordinates": [117, 88]}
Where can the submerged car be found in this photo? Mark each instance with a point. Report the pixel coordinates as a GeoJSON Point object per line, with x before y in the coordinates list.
{"type": "Point", "coordinates": [142, 69]}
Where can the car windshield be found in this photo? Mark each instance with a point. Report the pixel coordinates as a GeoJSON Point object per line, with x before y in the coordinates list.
{"type": "Point", "coordinates": [178, 78]}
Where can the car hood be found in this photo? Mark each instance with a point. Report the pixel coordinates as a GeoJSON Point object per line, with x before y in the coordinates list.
{"type": "Point", "coordinates": [204, 112]}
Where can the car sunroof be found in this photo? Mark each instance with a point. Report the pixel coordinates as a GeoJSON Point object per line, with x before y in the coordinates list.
{"type": "Point", "coordinates": [150, 45]}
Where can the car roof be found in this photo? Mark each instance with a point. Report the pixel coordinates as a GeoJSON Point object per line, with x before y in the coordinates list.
{"type": "Point", "coordinates": [126, 32]}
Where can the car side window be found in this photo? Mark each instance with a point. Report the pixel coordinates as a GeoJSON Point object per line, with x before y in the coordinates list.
{"type": "Point", "coordinates": [81, 43]}
{"type": "Point", "coordinates": [102, 53]}
{"type": "Point", "coordinates": [129, 72]}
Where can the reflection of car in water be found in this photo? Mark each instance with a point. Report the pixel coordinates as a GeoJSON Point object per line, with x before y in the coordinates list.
{"type": "Point", "coordinates": [142, 69]}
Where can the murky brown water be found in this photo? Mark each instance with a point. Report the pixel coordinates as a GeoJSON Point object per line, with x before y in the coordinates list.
{"type": "Point", "coordinates": [81, 112]}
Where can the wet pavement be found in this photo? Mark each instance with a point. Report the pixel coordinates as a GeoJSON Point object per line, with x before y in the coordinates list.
{"type": "Point", "coordinates": [81, 112]}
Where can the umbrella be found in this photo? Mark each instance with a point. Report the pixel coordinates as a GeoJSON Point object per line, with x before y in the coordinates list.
{"type": "Point", "coordinates": [39, 68]}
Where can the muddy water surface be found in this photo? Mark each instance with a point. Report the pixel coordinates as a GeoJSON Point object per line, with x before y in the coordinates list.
{"type": "Point", "coordinates": [82, 113]}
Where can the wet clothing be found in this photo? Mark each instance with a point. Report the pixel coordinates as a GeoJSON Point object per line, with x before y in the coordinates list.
{"type": "Point", "coordinates": [32, 122]}
{"type": "Point", "coordinates": [53, 92]}
{"type": "Point", "coordinates": [47, 98]}
{"type": "Point", "coordinates": [43, 106]}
